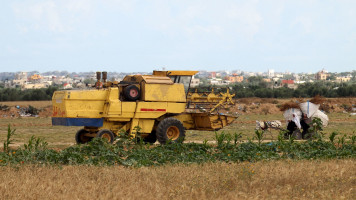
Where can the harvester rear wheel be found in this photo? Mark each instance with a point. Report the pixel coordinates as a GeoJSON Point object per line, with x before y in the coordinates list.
{"type": "Point", "coordinates": [170, 129]}
{"type": "Point", "coordinates": [132, 93]}
{"type": "Point", "coordinates": [106, 135]}
{"type": "Point", "coordinates": [80, 137]}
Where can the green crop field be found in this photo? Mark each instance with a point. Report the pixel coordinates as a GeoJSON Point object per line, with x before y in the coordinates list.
{"type": "Point", "coordinates": [62, 136]}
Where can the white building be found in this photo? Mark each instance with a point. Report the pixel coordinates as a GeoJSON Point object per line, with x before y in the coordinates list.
{"type": "Point", "coordinates": [218, 81]}
{"type": "Point", "coordinates": [270, 73]}
{"type": "Point", "coordinates": [21, 76]}
{"type": "Point", "coordinates": [194, 82]}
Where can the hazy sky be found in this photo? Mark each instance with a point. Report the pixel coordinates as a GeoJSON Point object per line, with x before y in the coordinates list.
{"type": "Point", "coordinates": [139, 35]}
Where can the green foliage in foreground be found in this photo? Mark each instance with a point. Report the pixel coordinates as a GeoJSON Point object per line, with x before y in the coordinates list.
{"type": "Point", "coordinates": [127, 152]}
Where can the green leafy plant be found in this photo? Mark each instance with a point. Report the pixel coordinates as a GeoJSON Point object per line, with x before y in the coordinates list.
{"type": "Point", "coordinates": [237, 137]}
{"type": "Point", "coordinates": [9, 140]}
{"type": "Point", "coordinates": [138, 139]}
{"type": "Point", "coordinates": [317, 128]}
{"type": "Point", "coordinates": [259, 136]}
{"type": "Point", "coordinates": [282, 135]}
{"type": "Point", "coordinates": [317, 124]}
{"type": "Point", "coordinates": [35, 144]}
{"type": "Point", "coordinates": [332, 136]}
{"type": "Point", "coordinates": [352, 139]}
{"type": "Point", "coordinates": [291, 139]}
{"type": "Point", "coordinates": [341, 141]}
{"type": "Point", "coordinates": [126, 152]}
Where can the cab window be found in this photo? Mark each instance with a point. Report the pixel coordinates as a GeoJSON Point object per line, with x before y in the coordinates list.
{"type": "Point", "coordinates": [182, 79]}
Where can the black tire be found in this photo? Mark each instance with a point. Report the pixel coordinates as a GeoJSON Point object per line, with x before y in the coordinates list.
{"type": "Point", "coordinates": [170, 129]}
{"type": "Point", "coordinates": [132, 93]}
{"type": "Point", "coordinates": [80, 138]}
{"type": "Point", "coordinates": [151, 138]}
{"type": "Point", "coordinates": [106, 134]}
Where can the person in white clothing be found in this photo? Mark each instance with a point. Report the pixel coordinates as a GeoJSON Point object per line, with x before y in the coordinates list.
{"type": "Point", "coordinates": [293, 124]}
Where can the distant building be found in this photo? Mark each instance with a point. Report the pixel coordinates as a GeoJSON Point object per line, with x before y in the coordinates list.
{"type": "Point", "coordinates": [275, 79]}
{"type": "Point", "coordinates": [235, 79]}
{"type": "Point", "coordinates": [343, 79]}
{"type": "Point", "coordinates": [321, 75]}
{"type": "Point", "coordinates": [20, 80]}
{"type": "Point", "coordinates": [267, 80]}
{"type": "Point", "coordinates": [251, 74]}
{"type": "Point", "coordinates": [194, 82]}
{"type": "Point", "coordinates": [21, 76]}
{"type": "Point", "coordinates": [36, 78]}
{"type": "Point", "coordinates": [270, 73]}
{"type": "Point", "coordinates": [213, 74]}
{"type": "Point", "coordinates": [278, 75]}
{"type": "Point", "coordinates": [218, 81]}
{"type": "Point", "coordinates": [67, 86]}
{"type": "Point", "coordinates": [34, 86]}
{"type": "Point", "coordinates": [299, 82]}
{"type": "Point", "coordinates": [289, 83]}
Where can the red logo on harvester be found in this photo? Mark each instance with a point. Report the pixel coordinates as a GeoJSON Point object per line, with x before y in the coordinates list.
{"type": "Point", "coordinates": [58, 112]}
{"type": "Point", "coordinates": [152, 109]}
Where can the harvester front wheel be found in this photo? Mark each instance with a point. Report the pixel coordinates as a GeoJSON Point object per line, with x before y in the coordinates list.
{"type": "Point", "coordinates": [106, 135]}
{"type": "Point", "coordinates": [80, 137]}
{"type": "Point", "coordinates": [170, 129]}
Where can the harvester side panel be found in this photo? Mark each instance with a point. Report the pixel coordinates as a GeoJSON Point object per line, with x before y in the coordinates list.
{"type": "Point", "coordinates": [113, 106]}
{"type": "Point", "coordinates": [163, 92]}
{"type": "Point", "coordinates": [79, 104]}
{"type": "Point", "coordinates": [78, 108]}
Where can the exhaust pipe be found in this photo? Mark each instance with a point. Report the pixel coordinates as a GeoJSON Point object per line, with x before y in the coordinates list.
{"type": "Point", "coordinates": [105, 76]}
{"type": "Point", "coordinates": [98, 76]}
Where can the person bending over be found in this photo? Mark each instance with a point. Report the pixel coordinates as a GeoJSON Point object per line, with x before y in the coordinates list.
{"type": "Point", "coordinates": [305, 124]}
{"type": "Point", "coordinates": [293, 124]}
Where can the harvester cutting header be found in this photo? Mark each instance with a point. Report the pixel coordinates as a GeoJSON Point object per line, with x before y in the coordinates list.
{"type": "Point", "coordinates": [156, 103]}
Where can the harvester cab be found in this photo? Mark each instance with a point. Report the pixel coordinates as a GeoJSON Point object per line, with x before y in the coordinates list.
{"type": "Point", "coordinates": [183, 77]}
{"type": "Point", "coordinates": [155, 103]}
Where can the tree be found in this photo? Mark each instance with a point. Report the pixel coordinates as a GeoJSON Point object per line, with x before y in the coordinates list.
{"type": "Point", "coordinates": [89, 81]}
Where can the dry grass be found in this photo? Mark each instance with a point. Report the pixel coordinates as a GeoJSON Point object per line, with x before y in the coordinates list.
{"type": "Point", "coordinates": [289, 105]}
{"type": "Point", "coordinates": [335, 179]}
{"type": "Point", "coordinates": [317, 99]}
{"type": "Point", "coordinates": [37, 104]}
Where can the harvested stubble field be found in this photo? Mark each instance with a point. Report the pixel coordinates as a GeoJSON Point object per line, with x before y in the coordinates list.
{"type": "Point", "coordinates": [333, 179]}
{"type": "Point", "coordinates": [276, 179]}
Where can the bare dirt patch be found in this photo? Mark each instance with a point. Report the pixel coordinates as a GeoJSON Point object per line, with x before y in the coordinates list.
{"type": "Point", "coordinates": [244, 105]}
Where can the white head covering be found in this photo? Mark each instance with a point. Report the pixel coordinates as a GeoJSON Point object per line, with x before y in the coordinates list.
{"type": "Point", "coordinates": [296, 120]}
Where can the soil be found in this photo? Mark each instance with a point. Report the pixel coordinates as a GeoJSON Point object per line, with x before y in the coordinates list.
{"type": "Point", "coordinates": [243, 105]}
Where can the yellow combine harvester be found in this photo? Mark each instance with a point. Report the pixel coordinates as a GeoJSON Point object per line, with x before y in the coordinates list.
{"type": "Point", "coordinates": [210, 100]}
{"type": "Point", "coordinates": [155, 103]}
